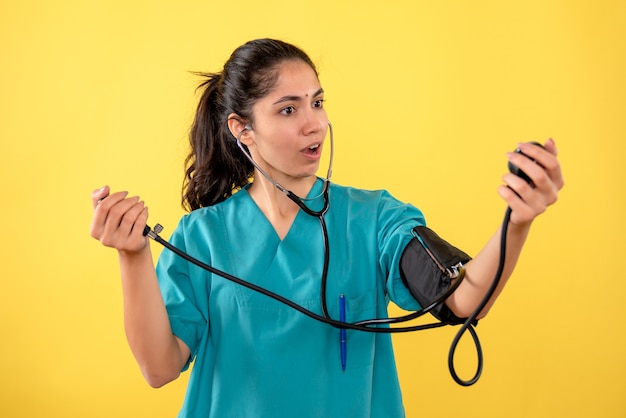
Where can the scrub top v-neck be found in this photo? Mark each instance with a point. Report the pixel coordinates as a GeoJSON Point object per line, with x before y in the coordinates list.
{"type": "Point", "coordinates": [256, 357]}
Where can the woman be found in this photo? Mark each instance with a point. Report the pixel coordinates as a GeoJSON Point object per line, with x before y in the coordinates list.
{"type": "Point", "coordinates": [252, 355]}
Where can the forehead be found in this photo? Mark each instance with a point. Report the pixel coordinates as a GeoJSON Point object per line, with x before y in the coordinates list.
{"type": "Point", "coordinates": [295, 78]}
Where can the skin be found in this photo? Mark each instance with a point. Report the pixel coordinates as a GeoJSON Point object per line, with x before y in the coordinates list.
{"type": "Point", "coordinates": [286, 141]}
{"type": "Point", "coordinates": [288, 130]}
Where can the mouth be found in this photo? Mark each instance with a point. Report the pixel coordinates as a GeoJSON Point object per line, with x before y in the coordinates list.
{"type": "Point", "coordinates": [313, 149]}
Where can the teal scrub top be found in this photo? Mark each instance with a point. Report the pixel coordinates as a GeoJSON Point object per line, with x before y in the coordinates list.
{"type": "Point", "coordinates": [255, 357]}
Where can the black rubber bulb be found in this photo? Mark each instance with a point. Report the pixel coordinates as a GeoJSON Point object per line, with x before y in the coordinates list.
{"type": "Point", "coordinates": [516, 170]}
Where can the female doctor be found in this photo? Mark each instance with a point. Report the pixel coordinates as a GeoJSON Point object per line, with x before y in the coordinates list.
{"type": "Point", "coordinates": [263, 118]}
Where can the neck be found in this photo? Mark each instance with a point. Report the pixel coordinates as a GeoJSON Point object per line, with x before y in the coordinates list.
{"type": "Point", "coordinates": [273, 201]}
{"type": "Point", "coordinates": [279, 209]}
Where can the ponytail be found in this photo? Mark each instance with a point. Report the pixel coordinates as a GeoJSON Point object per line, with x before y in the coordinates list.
{"type": "Point", "coordinates": [215, 167]}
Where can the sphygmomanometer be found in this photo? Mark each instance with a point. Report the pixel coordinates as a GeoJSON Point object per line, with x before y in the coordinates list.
{"type": "Point", "coordinates": [430, 267]}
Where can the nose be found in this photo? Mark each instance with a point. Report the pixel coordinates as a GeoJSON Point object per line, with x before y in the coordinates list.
{"type": "Point", "coordinates": [315, 121]}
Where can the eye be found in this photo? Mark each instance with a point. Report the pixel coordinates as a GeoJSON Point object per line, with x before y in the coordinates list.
{"type": "Point", "coordinates": [288, 110]}
{"type": "Point", "coordinates": [318, 103]}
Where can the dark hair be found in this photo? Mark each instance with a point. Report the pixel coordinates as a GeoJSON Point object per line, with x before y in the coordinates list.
{"type": "Point", "coordinates": [215, 167]}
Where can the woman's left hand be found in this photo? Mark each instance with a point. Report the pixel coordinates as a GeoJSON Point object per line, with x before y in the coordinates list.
{"type": "Point", "coordinates": [527, 200]}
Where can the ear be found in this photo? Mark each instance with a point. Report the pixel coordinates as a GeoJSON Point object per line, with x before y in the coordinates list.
{"type": "Point", "coordinates": [236, 125]}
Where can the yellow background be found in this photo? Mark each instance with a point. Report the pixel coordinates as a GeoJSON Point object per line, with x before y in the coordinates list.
{"type": "Point", "coordinates": [425, 96]}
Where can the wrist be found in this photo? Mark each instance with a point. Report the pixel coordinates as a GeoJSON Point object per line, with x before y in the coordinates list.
{"type": "Point", "coordinates": [142, 251]}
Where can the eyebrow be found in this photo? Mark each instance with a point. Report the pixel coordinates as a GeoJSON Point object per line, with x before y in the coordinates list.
{"type": "Point", "coordinates": [296, 98]}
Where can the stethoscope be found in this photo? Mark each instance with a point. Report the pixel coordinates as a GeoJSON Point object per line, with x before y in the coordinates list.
{"type": "Point", "coordinates": [369, 325]}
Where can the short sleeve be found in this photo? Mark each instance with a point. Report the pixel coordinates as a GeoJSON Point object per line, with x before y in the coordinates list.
{"type": "Point", "coordinates": [180, 291]}
{"type": "Point", "coordinates": [396, 221]}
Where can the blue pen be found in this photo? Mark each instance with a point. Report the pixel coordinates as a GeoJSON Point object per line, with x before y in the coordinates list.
{"type": "Point", "coordinates": [342, 331]}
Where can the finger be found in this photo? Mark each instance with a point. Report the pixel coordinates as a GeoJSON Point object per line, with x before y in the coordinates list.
{"type": "Point", "coordinates": [539, 194]}
{"type": "Point", "coordinates": [129, 236]}
{"type": "Point", "coordinates": [140, 223]}
{"type": "Point", "coordinates": [511, 197]}
{"type": "Point", "coordinates": [541, 165]}
{"type": "Point", "coordinates": [98, 195]}
{"type": "Point", "coordinates": [546, 157]}
{"type": "Point", "coordinates": [105, 204]}
{"type": "Point", "coordinates": [130, 217]}
{"type": "Point", "coordinates": [553, 167]}
{"type": "Point", "coordinates": [550, 146]}
{"type": "Point", "coordinates": [518, 186]}
{"type": "Point", "coordinates": [102, 213]}
{"type": "Point", "coordinates": [526, 163]}
{"type": "Point", "coordinates": [116, 212]}
{"type": "Point", "coordinates": [522, 210]}
{"type": "Point", "coordinates": [131, 233]}
{"type": "Point", "coordinates": [533, 151]}
{"type": "Point", "coordinates": [118, 223]}
{"type": "Point", "coordinates": [531, 194]}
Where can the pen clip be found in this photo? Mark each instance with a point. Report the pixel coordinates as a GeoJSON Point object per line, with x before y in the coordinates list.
{"type": "Point", "coordinates": [342, 332]}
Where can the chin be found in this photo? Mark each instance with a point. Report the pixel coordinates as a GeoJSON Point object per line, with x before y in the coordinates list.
{"type": "Point", "coordinates": [312, 172]}
{"type": "Point", "coordinates": [307, 175]}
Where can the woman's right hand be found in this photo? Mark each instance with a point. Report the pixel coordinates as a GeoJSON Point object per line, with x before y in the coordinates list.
{"type": "Point", "coordinates": [118, 220]}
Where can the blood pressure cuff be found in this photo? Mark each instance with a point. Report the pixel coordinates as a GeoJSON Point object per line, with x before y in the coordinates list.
{"type": "Point", "coordinates": [428, 267]}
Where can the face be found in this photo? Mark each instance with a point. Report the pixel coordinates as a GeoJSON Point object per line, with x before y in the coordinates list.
{"type": "Point", "coordinates": [290, 125]}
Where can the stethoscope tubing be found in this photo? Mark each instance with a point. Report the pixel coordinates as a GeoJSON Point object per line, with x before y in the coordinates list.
{"type": "Point", "coordinates": [364, 325]}
{"type": "Point", "coordinates": [378, 325]}
{"type": "Point", "coordinates": [282, 299]}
